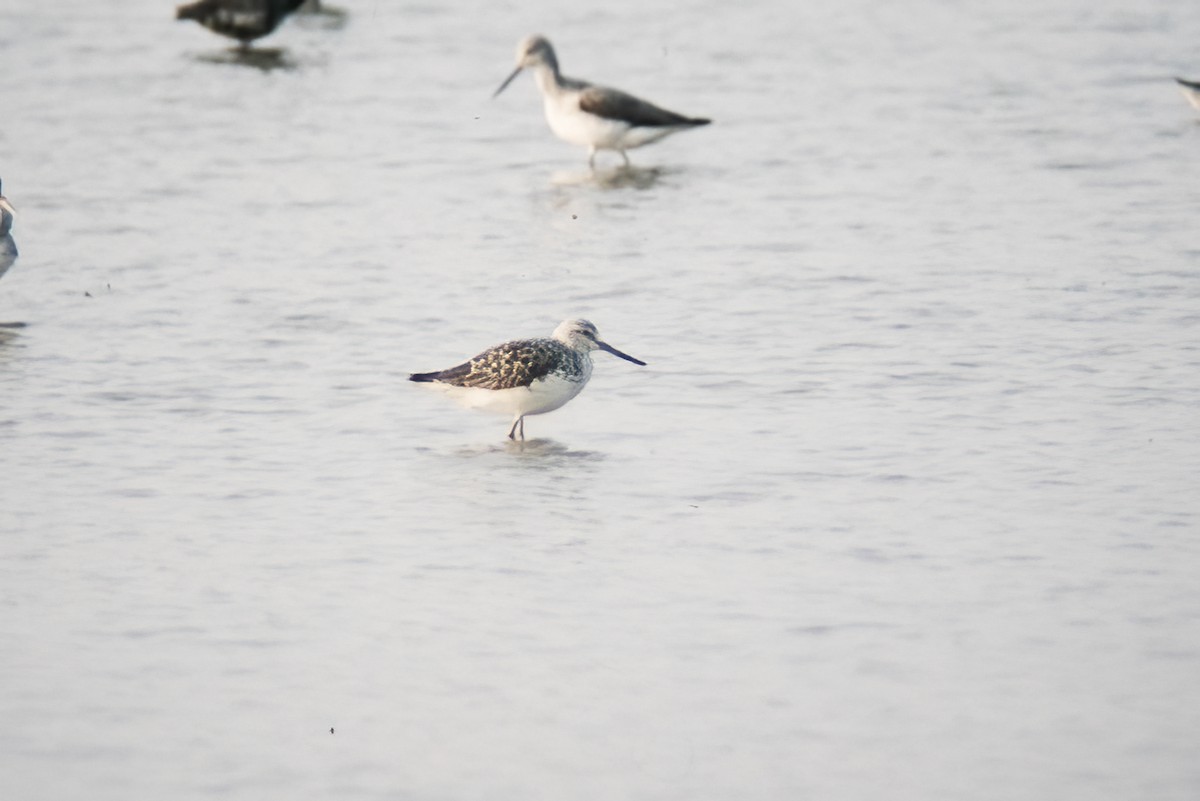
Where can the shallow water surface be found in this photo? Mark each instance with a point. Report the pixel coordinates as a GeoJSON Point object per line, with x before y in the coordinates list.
{"type": "Point", "coordinates": [903, 505]}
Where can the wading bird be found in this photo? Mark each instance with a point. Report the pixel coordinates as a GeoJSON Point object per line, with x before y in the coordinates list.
{"type": "Point", "coordinates": [593, 116]}
{"type": "Point", "coordinates": [526, 376]}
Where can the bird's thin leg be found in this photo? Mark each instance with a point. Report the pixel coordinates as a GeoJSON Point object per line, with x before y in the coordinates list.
{"type": "Point", "coordinates": [522, 421]}
{"type": "Point", "coordinates": [592, 158]}
{"type": "Point", "coordinates": [512, 432]}
{"type": "Point", "coordinates": [622, 152]}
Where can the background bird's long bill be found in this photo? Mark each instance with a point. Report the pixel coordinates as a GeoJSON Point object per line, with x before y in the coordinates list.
{"type": "Point", "coordinates": [507, 81]}
{"type": "Point", "coordinates": [610, 349]}
{"type": "Point", "coordinates": [4, 204]}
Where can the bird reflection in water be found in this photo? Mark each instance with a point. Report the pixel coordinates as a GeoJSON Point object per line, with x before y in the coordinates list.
{"type": "Point", "coordinates": [622, 177]}
{"type": "Point", "coordinates": [266, 59]}
{"type": "Point", "coordinates": [538, 452]}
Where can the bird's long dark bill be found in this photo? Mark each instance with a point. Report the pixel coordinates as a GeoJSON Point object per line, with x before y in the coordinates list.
{"type": "Point", "coordinates": [610, 349]}
{"type": "Point", "coordinates": [507, 81]}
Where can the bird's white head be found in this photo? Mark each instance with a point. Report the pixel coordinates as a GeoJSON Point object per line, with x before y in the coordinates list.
{"type": "Point", "coordinates": [581, 335]}
{"type": "Point", "coordinates": [532, 52]}
{"type": "Point", "coordinates": [578, 334]}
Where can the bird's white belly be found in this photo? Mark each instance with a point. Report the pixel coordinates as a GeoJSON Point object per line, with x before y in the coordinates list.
{"type": "Point", "coordinates": [541, 396]}
{"type": "Point", "coordinates": [571, 124]}
{"type": "Point", "coordinates": [551, 393]}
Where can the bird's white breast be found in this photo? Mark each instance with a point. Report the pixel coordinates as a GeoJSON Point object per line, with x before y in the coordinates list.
{"type": "Point", "coordinates": [571, 124]}
{"type": "Point", "coordinates": [543, 395]}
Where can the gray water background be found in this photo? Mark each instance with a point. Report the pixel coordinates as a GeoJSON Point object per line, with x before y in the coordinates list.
{"type": "Point", "coordinates": [904, 505]}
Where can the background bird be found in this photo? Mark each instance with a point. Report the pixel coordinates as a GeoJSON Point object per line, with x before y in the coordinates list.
{"type": "Point", "coordinates": [8, 246]}
{"type": "Point", "coordinates": [244, 20]}
{"type": "Point", "coordinates": [596, 117]}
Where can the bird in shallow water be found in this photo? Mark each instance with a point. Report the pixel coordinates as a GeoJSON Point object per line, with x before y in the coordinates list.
{"type": "Point", "coordinates": [526, 376]}
{"type": "Point", "coordinates": [244, 20]}
{"type": "Point", "coordinates": [1191, 90]}
{"type": "Point", "coordinates": [7, 213]}
{"type": "Point", "coordinates": [8, 247]}
{"type": "Point", "coordinates": [596, 117]}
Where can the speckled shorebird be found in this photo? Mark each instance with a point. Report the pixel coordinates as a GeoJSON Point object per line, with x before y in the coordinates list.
{"type": "Point", "coordinates": [594, 116]}
{"type": "Point", "coordinates": [244, 20]}
{"type": "Point", "coordinates": [526, 376]}
{"type": "Point", "coordinates": [1191, 90]}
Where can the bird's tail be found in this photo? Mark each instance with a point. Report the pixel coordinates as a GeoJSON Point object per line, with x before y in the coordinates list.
{"type": "Point", "coordinates": [190, 11]}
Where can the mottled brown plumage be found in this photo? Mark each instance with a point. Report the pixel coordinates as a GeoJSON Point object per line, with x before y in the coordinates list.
{"type": "Point", "coordinates": [513, 364]}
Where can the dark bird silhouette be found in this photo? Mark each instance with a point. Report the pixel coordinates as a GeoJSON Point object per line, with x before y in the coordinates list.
{"type": "Point", "coordinates": [244, 20]}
